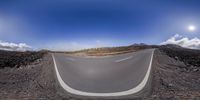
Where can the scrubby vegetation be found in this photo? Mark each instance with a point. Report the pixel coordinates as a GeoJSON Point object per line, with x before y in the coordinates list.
{"type": "Point", "coordinates": [113, 50]}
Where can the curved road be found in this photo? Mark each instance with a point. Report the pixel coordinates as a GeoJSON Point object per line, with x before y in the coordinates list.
{"type": "Point", "coordinates": [117, 75]}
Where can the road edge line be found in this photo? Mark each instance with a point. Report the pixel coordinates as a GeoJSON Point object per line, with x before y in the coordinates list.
{"type": "Point", "coordinates": [123, 93]}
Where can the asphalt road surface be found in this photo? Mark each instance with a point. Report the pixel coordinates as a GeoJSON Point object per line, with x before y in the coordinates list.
{"type": "Point", "coordinates": [116, 75]}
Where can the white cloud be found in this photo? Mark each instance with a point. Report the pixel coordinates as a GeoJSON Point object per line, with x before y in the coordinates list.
{"type": "Point", "coordinates": [193, 43]}
{"type": "Point", "coordinates": [14, 47]}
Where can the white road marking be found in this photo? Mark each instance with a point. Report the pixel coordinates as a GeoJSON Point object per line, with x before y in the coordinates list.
{"type": "Point", "coordinates": [123, 93]}
{"type": "Point", "coordinates": [124, 59]}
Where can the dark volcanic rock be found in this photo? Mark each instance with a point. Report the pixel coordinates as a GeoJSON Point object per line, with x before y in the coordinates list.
{"type": "Point", "coordinates": [190, 57]}
{"type": "Point", "coordinates": [17, 59]}
{"type": "Point", "coordinates": [171, 81]}
{"type": "Point", "coordinates": [35, 82]}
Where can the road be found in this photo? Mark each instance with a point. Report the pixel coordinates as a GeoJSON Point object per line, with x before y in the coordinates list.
{"type": "Point", "coordinates": [117, 75]}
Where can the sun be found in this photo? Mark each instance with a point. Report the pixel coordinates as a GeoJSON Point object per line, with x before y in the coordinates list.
{"type": "Point", "coordinates": [191, 28]}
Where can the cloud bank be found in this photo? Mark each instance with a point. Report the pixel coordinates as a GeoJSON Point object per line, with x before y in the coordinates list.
{"type": "Point", "coordinates": [193, 43]}
{"type": "Point", "coordinates": [14, 47]}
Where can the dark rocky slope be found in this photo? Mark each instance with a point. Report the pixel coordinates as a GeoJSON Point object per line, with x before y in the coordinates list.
{"type": "Point", "coordinates": [17, 59]}
{"type": "Point", "coordinates": [172, 80]}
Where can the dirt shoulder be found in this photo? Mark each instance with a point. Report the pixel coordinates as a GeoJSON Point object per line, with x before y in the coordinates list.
{"type": "Point", "coordinates": [35, 81]}
{"type": "Point", "coordinates": [172, 81]}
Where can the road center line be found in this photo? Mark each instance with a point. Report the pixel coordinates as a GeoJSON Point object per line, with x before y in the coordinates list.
{"type": "Point", "coordinates": [136, 89]}
{"type": "Point", "coordinates": [124, 59]}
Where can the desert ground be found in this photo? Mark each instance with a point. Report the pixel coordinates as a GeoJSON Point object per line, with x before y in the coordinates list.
{"type": "Point", "coordinates": [31, 75]}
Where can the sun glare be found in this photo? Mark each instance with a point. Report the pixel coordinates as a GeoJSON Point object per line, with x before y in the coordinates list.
{"type": "Point", "coordinates": [191, 28]}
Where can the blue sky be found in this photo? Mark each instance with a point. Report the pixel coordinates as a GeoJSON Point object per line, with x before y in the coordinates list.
{"type": "Point", "coordinates": [74, 24]}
